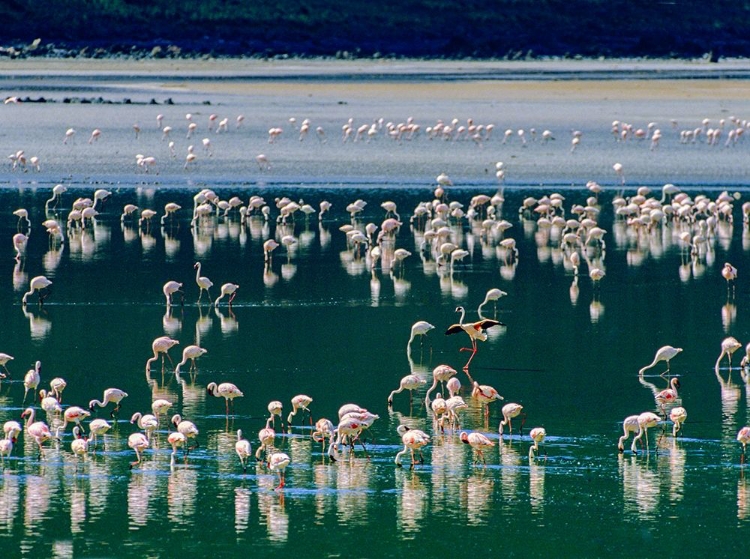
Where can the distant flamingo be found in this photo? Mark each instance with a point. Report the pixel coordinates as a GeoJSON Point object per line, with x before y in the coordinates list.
{"type": "Point", "coordinates": [225, 390]}
{"type": "Point", "coordinates": [729, 273]}
{"type": "Point", "coordinates": [475, 331]}
{"type": "Point", "coordinates": [243, 449]}
{"type": "Point", "coordinates": [492, 295]}
{"type": "Point", "coordinates": [414, 440]}
{"type": "Point", "coordinates": [665, 353]}
{"type": "Point", "coordinates": [204, 284]}
{"type": "Point", "coordinates": [37, 283]}
{"type": "Point", "coordinates": [148, 423]}
{"type": "Point", "coordinates": [629, 425]}
{"type": "Point", "coordinates": [57, 192]}
{"type": "Point", "coordinates": [114, 395]}
{"type": "Point", "coordinates": [743, 437]}
{"type": "Point", "coordinates": [478, 442]}
{"type": "Point", "coordinates": [4, 358]}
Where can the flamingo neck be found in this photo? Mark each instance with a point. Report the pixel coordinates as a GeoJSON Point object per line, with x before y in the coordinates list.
{"type": "Point", "coordinates": [463, 314]}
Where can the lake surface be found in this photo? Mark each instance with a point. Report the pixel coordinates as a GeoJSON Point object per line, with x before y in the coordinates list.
{"type": "Point", "coordinates": [320, 320]}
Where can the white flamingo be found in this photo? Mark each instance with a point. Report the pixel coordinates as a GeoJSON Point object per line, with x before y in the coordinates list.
{"type": "Point", "coordinates": [225, 390]}
{"type": "Point", "coordinates": [204, 284]}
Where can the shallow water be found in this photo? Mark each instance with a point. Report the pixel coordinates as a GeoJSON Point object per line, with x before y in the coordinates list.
{"type": "Point", "coordinates": [321, 322]}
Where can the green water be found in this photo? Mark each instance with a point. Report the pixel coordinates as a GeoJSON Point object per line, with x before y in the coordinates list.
{"type": "Point", "coordinates": [330, 328]}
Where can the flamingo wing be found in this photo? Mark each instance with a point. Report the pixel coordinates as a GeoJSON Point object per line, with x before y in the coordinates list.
{"type": "Point", "coordinates": [455, 329]}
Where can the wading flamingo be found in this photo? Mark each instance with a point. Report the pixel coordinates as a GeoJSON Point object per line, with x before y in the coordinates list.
{"type": "Point", "coordinates": [475, 331]}
{"type": "Point", "coordinates": [204, 284]}
{"type": "Point", "coordinates": [665, 353]}
{"type": "Point", "coordinates": [170, 288]}
{"type": "Point", "coordinates": [478, 442]}
{"type": "Point", "coordinates": [243, 449]}
{"type": "Point", "coordinates": [414, 440]}
{"type": "Point", "coordinates": [537, 435]}
{"type": "Point", "coordinates": [186, 427]}
{"type": "Point", "coordinates": [162, 345]}
{"type": "Point", "coordinates": [410, 383]}
{"type": "Point", "coordinates": [485, 395]}
{"type": "Point", "coordinates": [114, 395]}
{"type": "Point", "coordinates": [38, 283]}
{"type": "Point", "coordinates": [176, 440]}
{"type": "Point", "coordinates": [31, 379]}
{"type": "Point", "coordinates": [225, 390]}
{"type": "Point", "coordinates": [191, 352]}
{"type": "Point", "coordinates": [728, 347]}
{"type": "Point", "coordinates": [266, 437]}
{"type": "Point", "coordinates": [299, 402]}
{"type": "Point", "coordinates": [139, 443]}
{"type": "Point", "coordinates": [646, 421]}
{"type": "Point", "coordinates": [36, 429]}
{"type": "Point", "coordinates": [278, 463]}
{"type": "Point", "coordinates": [678, 415]}
{"type": "Point", "coordinates": [629, 425]}
{"type": "Point", "coordinates": [419, 328]}
{"type": "Point", "coordinates": [227, 289]}
{"type": "Point", "coordinates": [509, 412]}
{"type": "Point", "coordinates": [743, 437]}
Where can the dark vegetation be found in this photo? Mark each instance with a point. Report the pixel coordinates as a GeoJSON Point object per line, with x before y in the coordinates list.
{"type": "Point", "coordinates": [503, 29]}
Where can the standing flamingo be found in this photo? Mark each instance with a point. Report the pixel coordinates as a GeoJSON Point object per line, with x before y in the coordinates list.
{"type": "Point", "coordinates": [80, 445]}
{"type": "Point", "coordinates": [170, 288]}
{"type": "Point", "coordinates": [57, 192]}
{"type": "Point", "coordinates": [36, 429]}
{"type": "Point", "coordinates": [414, 440]}
{"type": "Point", "coordinates": [243, 449]}
{"type": "Point", "coordinates": [646, 421]}
{"type": "Point", "coordinates": [728, 346]}
{"type": "Point", "coordinates": [537, 435]}
{"type": "Point", "coordinates": [98, 427]}
{"type": "Point", "coordinates": [227, 289]}
{"type": "Point", "coordinates": [4, 358]}
{"type": "Point", "coordinates": [485, 394]}
{"type": "Point", "coordinates": [478, 442]}
{"type": "Point", "coordinates": [668, 395]}
{"type": "Point", "coordinates": [509, 412]}
{"type": "Point", "coordinates": [678, 415]}
{"type": "Point", "coordinates": [665, 353]}
{"type": "Point", "coordinates": [185, 427]}
{"type": "Point", "coordinates": [139, 443]}
{"type": "Point", "coordinates": [729, 273]}
{"type": "Point", "coordinates": [203, 282]}
{"type": "Point", "coordinates": [266, 437]}
{"type": "Point", "coordinates": [73, 414]}
{"type": "Point", "coordinates": [191, 352]}
{"type": "Point", "coordinates": [419, 328]}
{"type": "Point", "coordinates": [278, 462]}
{"type": "Point", "coordinates": [492, 295]}
{"type": "Point", "coordinates": [323, 430]}
{"type": "Point", "coordinates": [629, 425]}
{"type": "Point", "coordinates": [410, 383]}
{"type": "Point", "coordinates": [31, 379]}
{"type": "Point", "coordinates": [227, 390]}
{"type": "Point", "coordinates": [441, 373]}
{"type": "Point", "coordinates": [475, 331]}
{"type": "Point", "coordinates": [162, 345]}
{"type": "Point", "coordinates": [38, 283]}
{"type": "Point", "coordinates": [114, 395]}
{"type": "Point", "coordinates": [299, 402]}
{"type": "Point", "coordinates": [743, 437]}
{"type": "Point", "coordinates": [148, 423]}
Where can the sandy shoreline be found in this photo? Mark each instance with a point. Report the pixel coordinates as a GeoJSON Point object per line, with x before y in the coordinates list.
{"type": "Point", "coordinates": [463, 80]}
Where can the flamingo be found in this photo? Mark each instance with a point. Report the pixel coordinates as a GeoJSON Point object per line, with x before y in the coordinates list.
{"type": "Point", "coordinates": [185, 427]}
{"type": "Point", "coordinates": [4, 358]}
{"type": "Point", "coordinates": [349, 426]}
{"type": "Point", "coordinates": [20, 241]}
{"type": "Point", "coordinates": [243, 449]}
{"type": "Point", "coordinates": [73, 414]}
{"type": "Point", "coordinates": [509, 412]}
{"type": "Point", "coordinates": [148, 423]}
{"type": "Point", "coordinates": [11, 429]}
{"type": "Point", "coordinates": [478, 442]}
{"type": "Point", "coordinates": [36, 429]}
{"type": "Point", "coordinates": [743, 437]}
{"type": "Point", "coordinates": [668, 395]}
{"type": "Point", "coordinates": [170, 288]}
{"type": "Point", "coordinates": [485, 394]}
{"type": "Point", "coordinates": [227, 390]}
{"type": "Point", "coordinates": [98, 427]}
{"type": "Point", "coordinates": [38, 283]}
{"type": "Point", "coordinates": [278, 462]}
{"type": "Point", "coordinates": [728, 347]}
{"type": "Point", "coordinates": [31, 379]}
{"type": "Point", "coordinates": [203, 282]}
{"type": "Point", "coordinates": [6, 447]}
{"type": "Point", "coordinates": [441, 373]}
{"type": "Point", "coordinates": [323, 430]}
{"type": "Point", "coordinates": [227, 289]}
{"type": "Point", "coordinates": [57, 192]}
{"type": "Point", "coordinates": [48, 402]}
{"type": "Point", "coordinates": [169, 210]}
{"type": "Point", "coordinates": [492, 295]}
{"type": "Point", "coordinates": [160, 406]}
{"type": "Point", "coordinates": [191, 352]}
{"type": "Point", "coordinates": [475, 331]}
{"type": "Point", "coordinates": [301, 402]}
{"type": "Point", "coordinates": [419, 328]}
{"type": "Point", "coordinates": [629, 425]}
{"type": "Point", "coordinates": [57, 385]}
{"type": "Point", "coordinates": [410, 383]}
{"type": "Point", "coordinates": [268, 247]}
{"type": "Point", "coordinates": [729, 273]}
{"type": "Point", "coordinates": [139, 443]}
{"type": "Point", "coordinates": [22, 214]}
{"type": "Point", "coordinates": [266, 437]}
{"type": "Point", "coordinates": [646, 421]}
{"type": "Point", "coordinates": [665, 353]}
{"type": "Point", "coordinates": [114, 395]}
{"type": "Point", "coordinates": [414, 440]}
{"type": "Point", "coordinates": [678, 415]}
{"type": "Point", "coordinates": [537, 435]}
{"type": "Point", "coordinates": [176, 440]}
{"type": "Point", "coordinates": [162, 345]}
{"type": "Point", "coordinates": [275, 408]}
{"type": "Point", "coordinates": [80, 445]}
